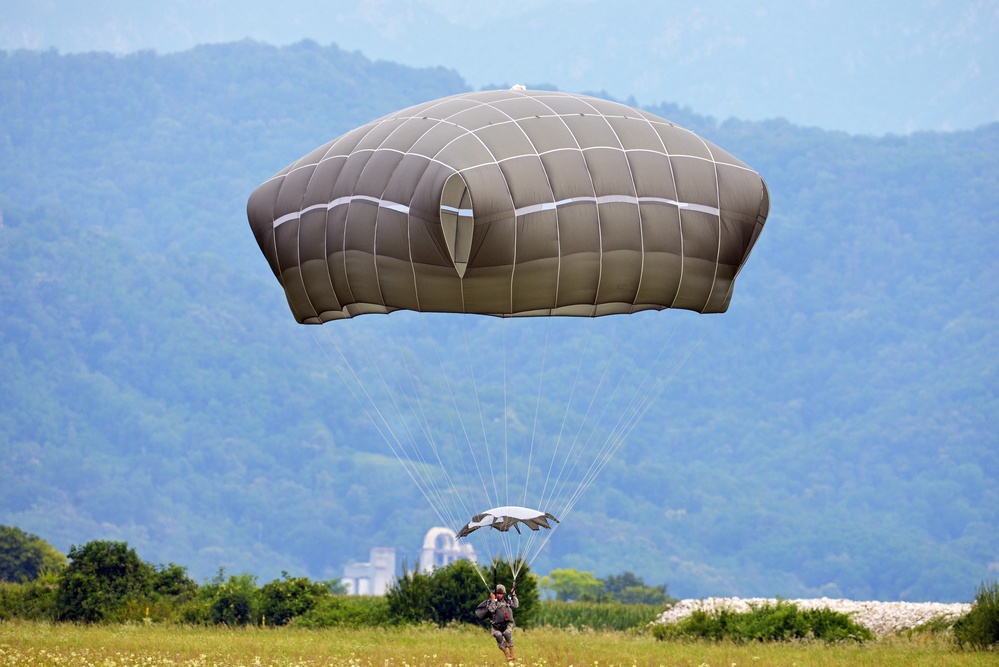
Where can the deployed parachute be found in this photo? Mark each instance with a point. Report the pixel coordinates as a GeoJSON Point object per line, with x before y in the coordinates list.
{"type": "Point", "coordinates": [510, 203]}
{"type": "Point", "coordinates": [514, 204]}
{"type": "Point", "coordinates": [505, 518]}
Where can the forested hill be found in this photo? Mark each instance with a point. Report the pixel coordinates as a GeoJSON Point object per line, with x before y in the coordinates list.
{"type": "Point", "coordinates": [834, 433]}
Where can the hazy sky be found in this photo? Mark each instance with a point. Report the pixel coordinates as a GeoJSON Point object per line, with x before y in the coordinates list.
{"type": "Point", "coordinates": [859, 66]}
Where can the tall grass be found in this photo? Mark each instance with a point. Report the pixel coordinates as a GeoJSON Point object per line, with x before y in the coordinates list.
{"type": "Point", "coordinates": [979, 628]}
{"type": "Point", "coordinates": [595, 615]}
{"type": "Point", "coordinates": [33, 644]}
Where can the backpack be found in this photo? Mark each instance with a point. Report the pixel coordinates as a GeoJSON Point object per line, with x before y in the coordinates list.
{"type": "Point", "coordinates": [502, 616]}
{"type": "Point", "coordinates": [481, 612]}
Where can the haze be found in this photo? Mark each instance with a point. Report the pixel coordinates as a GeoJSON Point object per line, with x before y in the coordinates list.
{"type": "Point", "coordinates": [860, 67]}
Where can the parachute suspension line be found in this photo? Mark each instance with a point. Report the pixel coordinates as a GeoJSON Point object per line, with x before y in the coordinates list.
{"type": "Point", "coordinates": [652, 392]}
{"type": "Point", "coordinates": [506, 417]}
{"type": "Point", "coordinates": [415, 456]}
{"type": "Point", "coordinates": [565, 414]}
{"type": "Point", "coordinates": [381, 424]}
{"type": "Point", "coordinates": [428, 432]}
{"type": "Point", "coordinates": [443, 375]}
{"type": "Point", "coordinates": [537, 410]}
{"type": "Point", "coordinates": [558, 487]}
{"type": "Point", "coordinates": [478, 405]}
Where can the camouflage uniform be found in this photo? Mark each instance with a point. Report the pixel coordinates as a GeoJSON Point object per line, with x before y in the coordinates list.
{"type": "Point", "coordinates": [502, 629]}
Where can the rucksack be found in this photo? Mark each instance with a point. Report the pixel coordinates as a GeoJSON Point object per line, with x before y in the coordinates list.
{"type": "Point", "coordinates": [502, 616]}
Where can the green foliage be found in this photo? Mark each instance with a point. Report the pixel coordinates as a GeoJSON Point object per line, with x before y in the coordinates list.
{"type": "Point", "coordinates": [233, 601]}
{"type": "Point", "coordinates": [571, 584]}
{"type": "Point", "coordinates": [348, 611]}
{"type": "Point", "coordinates": [631, 589]}
{"type": "Point", "coordinates": [100, 579]}
{"type": "Point", "coordinates": [595, 615]}
{"type": "Point", "coordinates": [455, 591]}
{"type": "Point", "coordinates": [451, 593]}
{"type": "Point", "coordinates": [979, 628]}
{"type": "Point", "coordinates": [409, 599]}
{"type": "Point", "coordinates": [627, 588]}
{"type": "Point", "coordinates": [284, 599]}
{"type": "Point", "coordinates": [25, 557]}
{"type": "Point", "coordinates": [173, 581]}
{"type": "Point", "coordinates": [32, 600]}
{"type": "Point", "coordinates": [767, 623]}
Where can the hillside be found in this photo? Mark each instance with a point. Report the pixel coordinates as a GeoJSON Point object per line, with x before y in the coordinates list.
{"type": "Point", "coordinates": [833, 434]}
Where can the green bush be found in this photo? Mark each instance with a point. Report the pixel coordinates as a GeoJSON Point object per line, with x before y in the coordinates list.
{"type": "Point", "coordinates": [455, 592]}
{"type": "Point", "coordinates": [782, 621]}
{"type": "Point", "coordinates": [348, 611]}
{"type": "Point", "coordinates": [451, 593]}
{"type": "Point", "coordinates": [32, 600]}
{"type": "Point", "coordinates": [100, 579]}
{"type": "Point", "coordinates": [595, 615]}
{"type": "Point", "coordinates": [234, 602]}
{"type": "Point", "coordinates": [979, 628]}
{"type": "Point", "coordinates": [409, 598]}
{"type": "Point", "coordinates": [283, 599]}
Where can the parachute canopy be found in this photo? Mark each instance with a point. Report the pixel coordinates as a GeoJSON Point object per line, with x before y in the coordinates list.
{"type": "Point", "coordinates": [510, 203]}
{"type": "Point", "coordinates": [505, 518]}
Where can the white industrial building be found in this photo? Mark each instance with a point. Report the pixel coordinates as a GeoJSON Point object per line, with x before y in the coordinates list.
{"type": "Point", "coordinates": [440, 548]}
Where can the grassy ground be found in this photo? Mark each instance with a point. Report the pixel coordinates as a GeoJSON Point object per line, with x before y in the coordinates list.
{"type": "Point", "coordinates": [36, 644]}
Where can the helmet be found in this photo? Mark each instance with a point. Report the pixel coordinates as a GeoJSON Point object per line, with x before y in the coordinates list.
{"type": "Point", "coordinates": [500, 588]}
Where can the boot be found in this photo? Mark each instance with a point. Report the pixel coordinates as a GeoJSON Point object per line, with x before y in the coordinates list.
{"type": "Point", "coordinates": [508, 652]}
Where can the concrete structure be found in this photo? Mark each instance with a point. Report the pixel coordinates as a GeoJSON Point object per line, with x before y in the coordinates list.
{"type": "Point", "coordinates": [373, 577]}
{"type": "Point", "coordinates": [441, 547]}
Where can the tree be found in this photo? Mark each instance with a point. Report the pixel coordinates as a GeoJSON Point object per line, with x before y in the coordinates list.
{"type": "Point", "coordinates": [451, 593]}
{"type": "Point", "coordinates": [284, 599]}
{"type": "Point", "coordinates": [101, 577]}
{"type": "Point", "coordinates": [234, 602]}
{"type": "Point", "coordinates": [25, 557]}
{"type": "Point", "coordinates": [630, 589]}
{"type": "Point", "coordinates": [172, 580]}
{"type": "Point", "coordinates": [573, 585]}
{"type": "Point", "coordinates": [409, 598]}
{"type": "Point", "coordinates": [455, 591]}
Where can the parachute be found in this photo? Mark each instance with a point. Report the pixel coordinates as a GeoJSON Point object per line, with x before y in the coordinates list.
{"type": "Point", "coordinates": [505, 518]}
{"type": "Point", "coordinates": [533, 207]}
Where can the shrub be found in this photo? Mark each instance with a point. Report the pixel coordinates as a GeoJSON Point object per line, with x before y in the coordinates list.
{"type": "Point", "coordinates": [979, 628]}
{"type": "Point", "coordinates": [101, 577]}
{"type": "Point", "coordinates": [32, 600]}
{"type": "Point", "coordinates": [409, 598]}
{"type": "Point", "coordinates": [451, 593]}
{"type": "Point", "coordinates": [780, 622]}
{"type": "Point", "coordinates": [283, 600]}
{"type": "Point", "coordinates": [455, 592]}
{"type": "Point", "coordinates": [347, 611]}
{"type": "Point", "coordinates": [234, 602]}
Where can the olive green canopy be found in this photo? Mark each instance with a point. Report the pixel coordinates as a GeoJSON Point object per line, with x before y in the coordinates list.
{"type": "Point", "coordinates": [510, 203]}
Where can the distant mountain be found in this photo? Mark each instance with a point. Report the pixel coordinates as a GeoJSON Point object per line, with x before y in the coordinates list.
{"type": "Point", "coordinates": [833, 433]}
{"type": "Point", "coordinates": [856, 66]}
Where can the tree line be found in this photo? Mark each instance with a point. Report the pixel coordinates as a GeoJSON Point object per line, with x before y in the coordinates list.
{"type": "Point", "coordinates": [107, 581]}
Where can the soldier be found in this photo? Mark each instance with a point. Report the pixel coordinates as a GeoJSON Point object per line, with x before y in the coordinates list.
{"type": "Point", "coordinates": [500, 609]}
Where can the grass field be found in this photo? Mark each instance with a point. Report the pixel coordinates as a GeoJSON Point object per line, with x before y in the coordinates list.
{"type": "Point", "coordinates": [37, 644]}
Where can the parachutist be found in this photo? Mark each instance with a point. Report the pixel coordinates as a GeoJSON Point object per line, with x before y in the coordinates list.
{"type": "Point", "coordinates": [500, 608]}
